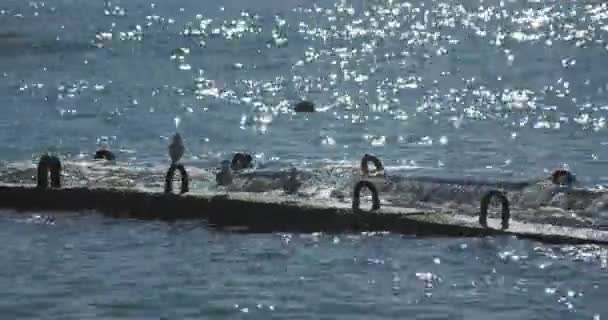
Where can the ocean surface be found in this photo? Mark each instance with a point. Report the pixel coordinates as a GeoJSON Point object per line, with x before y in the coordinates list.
{"type": "Point", "coordinates": [496, 90]}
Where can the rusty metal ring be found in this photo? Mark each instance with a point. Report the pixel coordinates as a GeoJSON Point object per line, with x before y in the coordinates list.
{"type": "Point", "coordinates": [169, 178]}
{"type": "Point", "coordinates": [357, 195]}
{"type": "Point", "coordinates": [505, 211]}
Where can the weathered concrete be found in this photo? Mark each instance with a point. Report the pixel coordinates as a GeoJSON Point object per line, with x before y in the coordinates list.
{"type": "Point", "coordinates": [278, 213]}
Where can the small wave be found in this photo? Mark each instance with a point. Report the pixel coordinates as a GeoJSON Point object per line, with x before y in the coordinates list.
{"type": "Point", "coordinates": [32, 218]}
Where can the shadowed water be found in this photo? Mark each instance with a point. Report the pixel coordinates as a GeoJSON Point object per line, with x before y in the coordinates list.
{"type": "Point", "coordinates": [86, 266]}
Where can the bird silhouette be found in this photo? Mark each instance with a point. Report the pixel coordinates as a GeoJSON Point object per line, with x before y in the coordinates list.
{"type": "Point", "coordinates": [176, 148]}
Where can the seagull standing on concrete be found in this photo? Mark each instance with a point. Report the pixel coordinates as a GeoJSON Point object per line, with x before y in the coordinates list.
{"type": "Point", "coordinates": [176, 148]}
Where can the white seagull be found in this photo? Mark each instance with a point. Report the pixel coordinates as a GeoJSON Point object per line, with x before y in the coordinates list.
{"type": "Point", "coordinates": [176, 148]}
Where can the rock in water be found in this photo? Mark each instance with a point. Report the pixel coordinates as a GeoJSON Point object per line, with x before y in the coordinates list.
{"type": "Point", "coordinates": [176, 148]}
{"type": "Point", "coordinates": [563, 177]}
{"type": "Point", "coordinates": [104, 154]}
{"type": "Point", "coordinates": [241, 161]}
{"type": "Point", "coordinates": [304, 106]}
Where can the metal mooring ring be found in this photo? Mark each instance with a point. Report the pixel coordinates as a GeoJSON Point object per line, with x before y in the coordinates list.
{"type": "Point", "coordinates": [562, 177]}
{"type": "Point", "coordinates": [357, 195]}
{"type": "Point", "coordinates": [171, 174]}
{"type": "Point", "coordinates": [485, 202]}
{"type": "Point", "coordinates": [367, 158]}
{"type": "Point", "coordinates": [241, 161]}
{"type": "Point", "coordinates": [48, 164]}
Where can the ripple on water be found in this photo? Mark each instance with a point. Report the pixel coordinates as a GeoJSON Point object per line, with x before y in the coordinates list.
{"type": "Point", "coordinates": [187, 270]}
{"type": "Point", "coordinates": [392, 77]}
{"type": "Point", "coordinates": [350, 58]}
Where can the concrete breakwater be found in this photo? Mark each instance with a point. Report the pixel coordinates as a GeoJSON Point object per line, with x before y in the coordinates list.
{"type": "Point", "coordinates": [272, 211]}
{"type": "Point", "coordinates": [279, 213]}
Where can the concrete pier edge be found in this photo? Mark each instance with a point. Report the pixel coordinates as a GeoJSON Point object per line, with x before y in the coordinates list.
{"type": "Point", "coordinates": [273, 213]}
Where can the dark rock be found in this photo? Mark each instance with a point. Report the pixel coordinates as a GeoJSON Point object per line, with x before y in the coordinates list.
{"type": "Point", "coordinates": [241, 161]}
{"type": "Point", "coordinates": [304, 106]}
{"type": "Point", "coordinates": [104, 154]}
{"type": "Point", "coordinates": [562, 177]}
